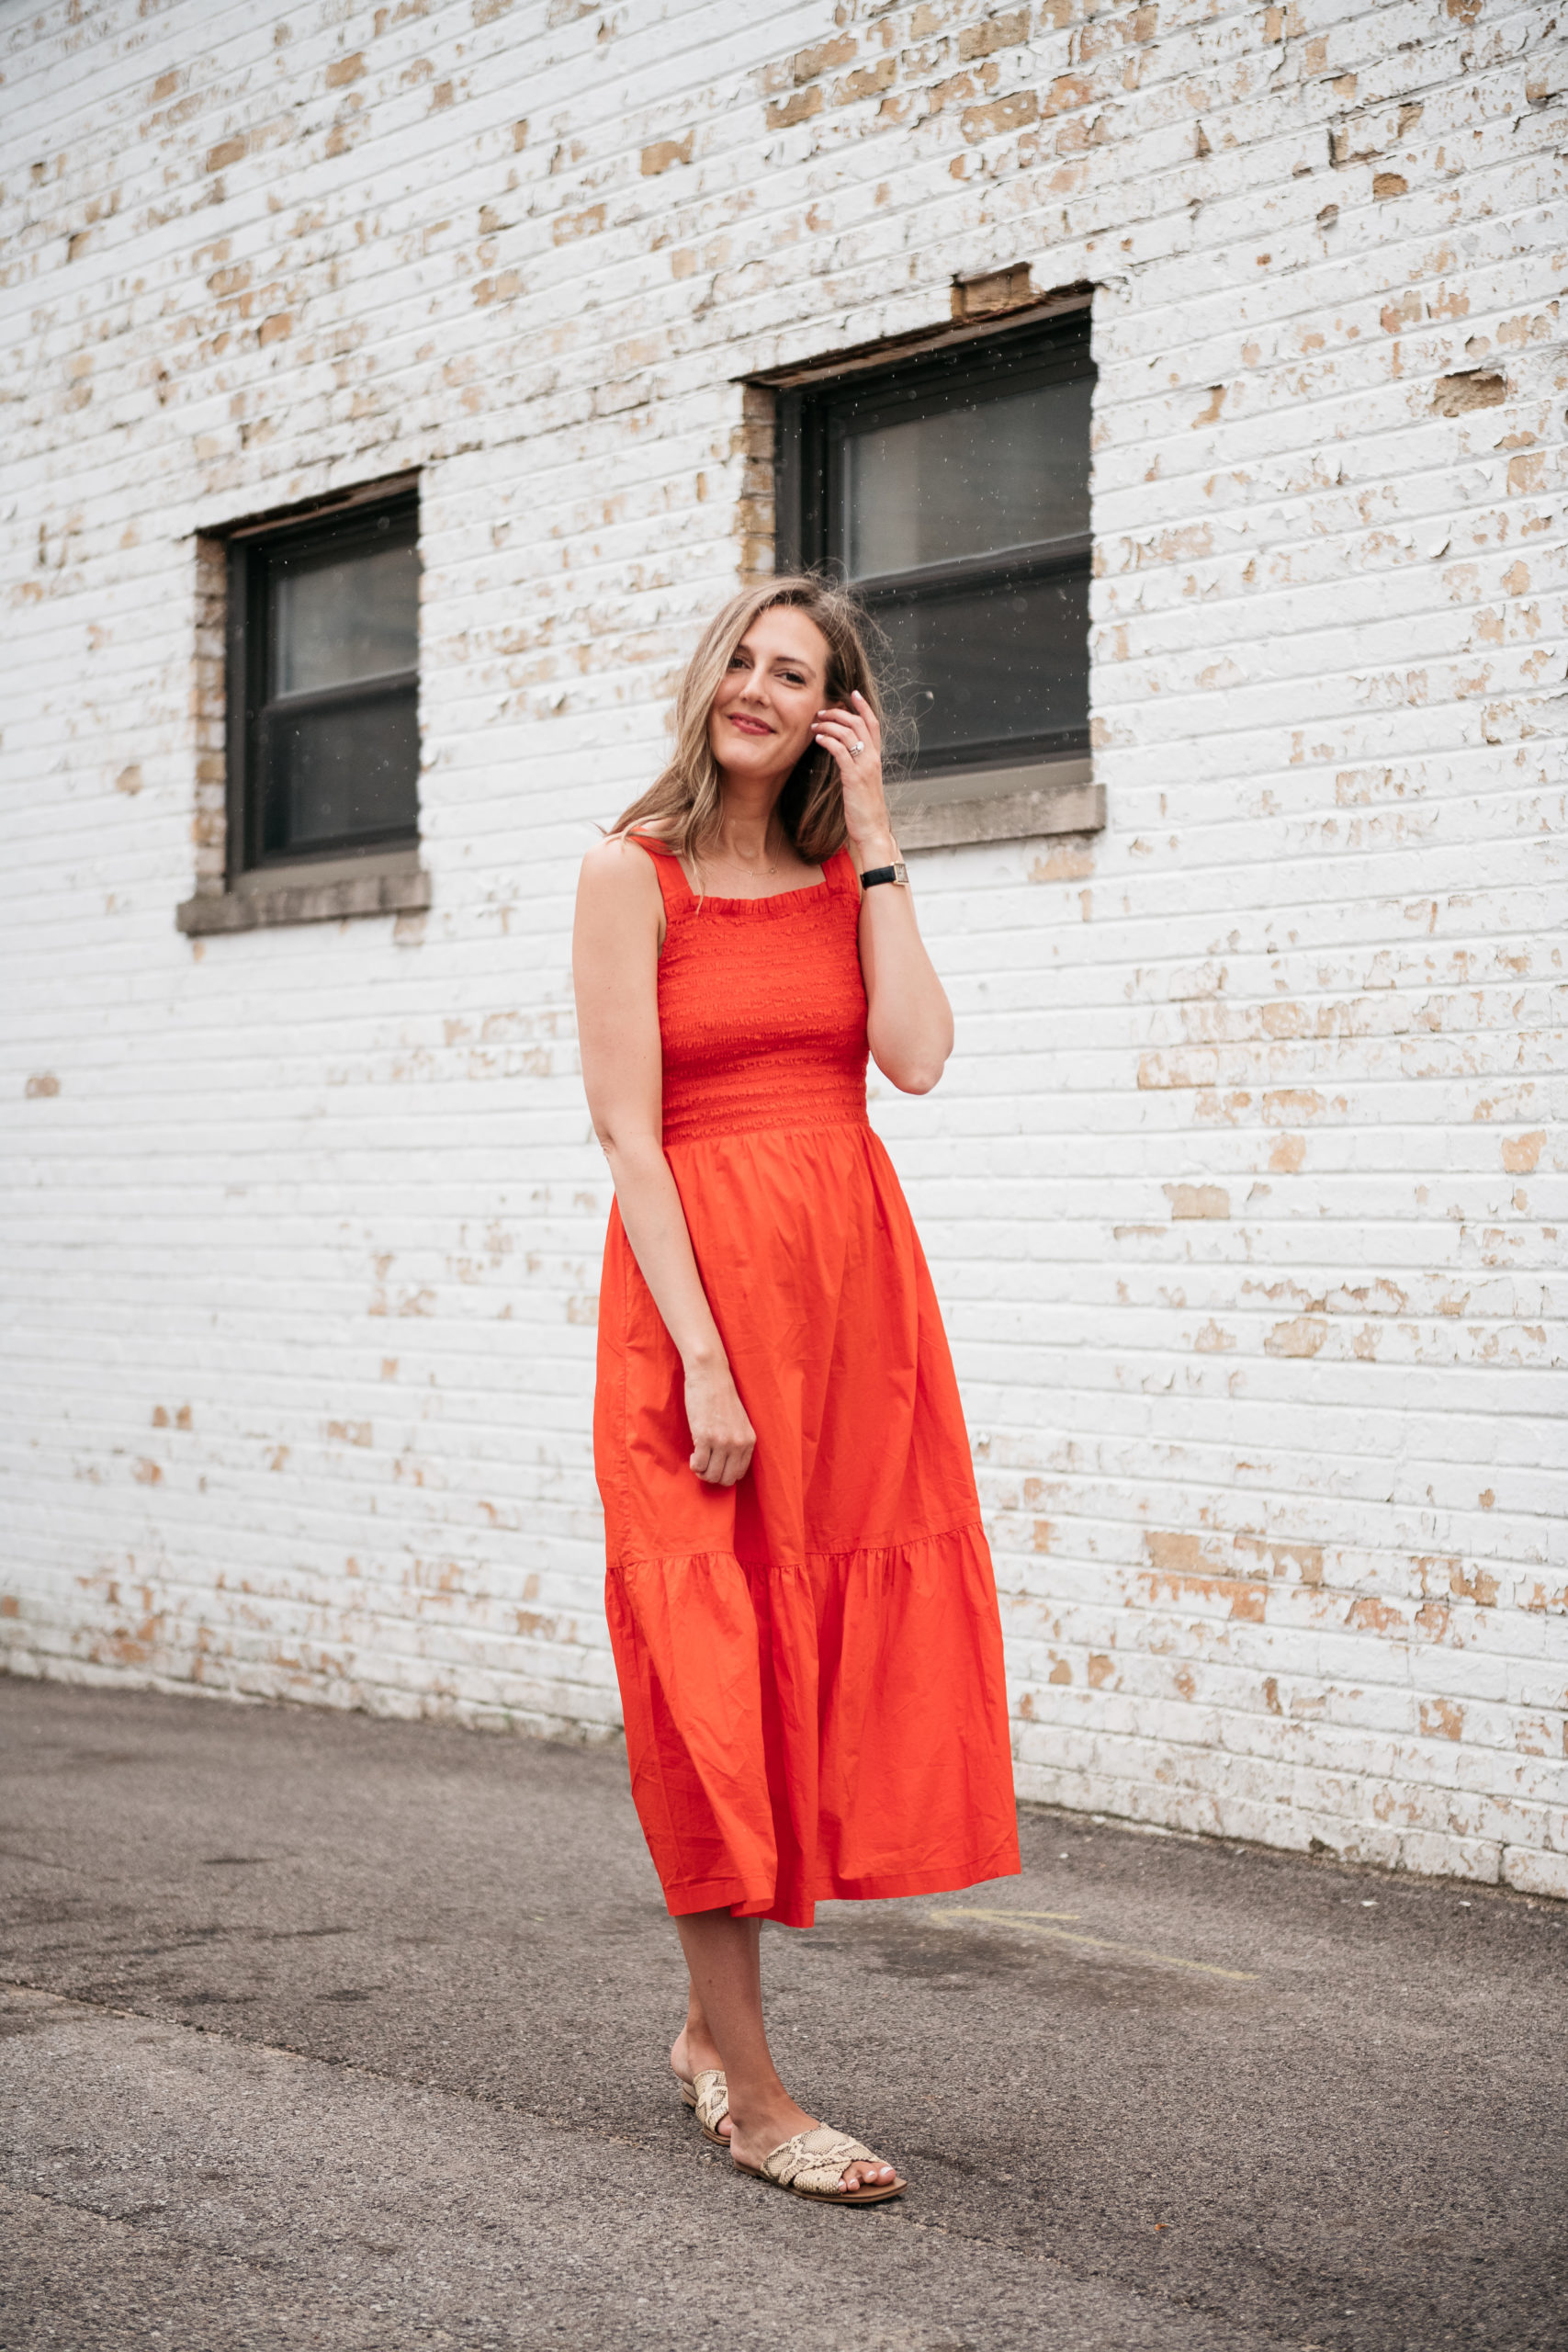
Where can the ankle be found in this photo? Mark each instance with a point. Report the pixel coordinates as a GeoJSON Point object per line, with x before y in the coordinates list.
{"type": "Point", "coordinates": [694, 2051]}
{"type": "Point", "coordinates": [759, 2107]}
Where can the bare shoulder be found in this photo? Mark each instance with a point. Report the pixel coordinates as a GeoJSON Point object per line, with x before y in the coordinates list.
{"type": "Point", "coordinates": [619, 903]}
{"type": "Point", "coordinates": [615, 872]}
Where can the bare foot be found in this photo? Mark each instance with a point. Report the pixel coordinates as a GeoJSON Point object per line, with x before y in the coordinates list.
{"type": "Point", "coordinates": [692, 2054]}
{"type": "Point", "coordinates": [757, 2135]}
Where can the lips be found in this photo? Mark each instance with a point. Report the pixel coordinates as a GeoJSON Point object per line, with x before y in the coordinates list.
{"type": "Point", "coordinates": [750, 726]}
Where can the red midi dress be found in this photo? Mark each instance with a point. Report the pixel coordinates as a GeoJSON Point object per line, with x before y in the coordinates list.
{"type": "Point", "coordinates": [810, 1661]}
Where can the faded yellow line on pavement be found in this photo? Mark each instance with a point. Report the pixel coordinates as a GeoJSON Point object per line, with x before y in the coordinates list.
{"type": "Point", "coordinates": [1031, 1922]}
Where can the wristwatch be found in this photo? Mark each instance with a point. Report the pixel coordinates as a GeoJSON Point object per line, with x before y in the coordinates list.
{"type": "Point", "coordinates": [899, 873]}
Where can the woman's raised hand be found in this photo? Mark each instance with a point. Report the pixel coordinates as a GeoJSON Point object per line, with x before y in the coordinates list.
{"type": "Point", "coordinates": [853, 735]}
{"type": "Point", "coordinates": [722, 1437]}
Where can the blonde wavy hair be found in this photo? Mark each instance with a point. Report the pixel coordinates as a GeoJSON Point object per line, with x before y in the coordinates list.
{"type": "Point", "coordinates": [683, 807]}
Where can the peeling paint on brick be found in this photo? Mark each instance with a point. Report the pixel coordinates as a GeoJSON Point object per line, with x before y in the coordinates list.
{"type": "Point", "coordinates": [1245, 1195]}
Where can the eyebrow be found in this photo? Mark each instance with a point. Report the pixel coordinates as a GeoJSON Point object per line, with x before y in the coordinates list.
{"type": "Point", "coordinates": [794, 661]}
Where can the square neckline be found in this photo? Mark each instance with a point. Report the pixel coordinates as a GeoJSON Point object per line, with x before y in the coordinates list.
{"type": "Point", "coordinates": [771, 898]}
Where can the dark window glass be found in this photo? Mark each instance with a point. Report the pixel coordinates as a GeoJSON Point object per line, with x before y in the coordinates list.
{"type": "Point", "coordinates": [967, 480]}
{"type": "Point", "coordinates": [953, 491]}
{"type": "Point", "coordinates": [341, 770]}
{"type": "Point", "coordinates": [338, 618]}
{"type": "Point", "coordinates": [992, 675]}
{"type": "Point", "coordinates": [324, 652]}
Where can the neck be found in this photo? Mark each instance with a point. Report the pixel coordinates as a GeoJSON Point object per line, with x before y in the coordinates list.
{"type": "Point", "coordinates": [747, 830]}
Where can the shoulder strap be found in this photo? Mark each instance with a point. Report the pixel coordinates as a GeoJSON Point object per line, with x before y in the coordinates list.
{"type": "Point", "coordinates": [672, 883]}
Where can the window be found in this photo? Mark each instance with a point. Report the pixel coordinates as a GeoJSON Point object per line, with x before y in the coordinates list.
{"type": "Point", "coordinates": [323, 688]}
{"type": "Point", "coordinates": [952, 490]}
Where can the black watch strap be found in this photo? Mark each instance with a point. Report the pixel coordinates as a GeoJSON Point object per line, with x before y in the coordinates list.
{"type": "Point", "coordinates": [874, 874]}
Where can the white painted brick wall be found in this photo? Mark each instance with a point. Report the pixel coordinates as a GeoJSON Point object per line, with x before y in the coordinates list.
{"type": "Point", "coordinates": [1244, 1193]}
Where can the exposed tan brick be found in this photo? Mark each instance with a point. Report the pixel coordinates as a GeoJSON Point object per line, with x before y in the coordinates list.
{"type": "Point", "coordinates": [993, 33]}
{"type": "Point", "coordinates": [1000, 116]}
{"type": "Point", "coordinates": [1303, 1335]}
{"type": "Point", "coordinates": [571, 226]}
{"type": "Point", "coordinates": [1473, 387]}
{"type": "Point", "coordinates": [997, 290]}
{"type": "Point", "coordinates": [1198, 1200]}
{"type": "Point", "coordinates": [1068, 93]}
{"type": "Point", "coordinates": [783, 112]}
{"type": "Point", "coordinates": [664, 153]}
{"type": "Point", "coordinates": [869, 81]}
{"type": "Point", "coordinates": [825, 58]}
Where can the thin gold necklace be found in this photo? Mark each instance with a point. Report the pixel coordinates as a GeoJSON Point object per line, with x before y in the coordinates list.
{"type": "Point", "coordinates": [768, 865]}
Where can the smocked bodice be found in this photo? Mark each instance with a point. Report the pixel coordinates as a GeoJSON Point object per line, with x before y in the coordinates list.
{"type": "Point", "coordinates": [761, 1007]}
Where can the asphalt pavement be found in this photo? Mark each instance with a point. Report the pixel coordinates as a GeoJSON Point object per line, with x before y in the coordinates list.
{"type": "Point", "coordinates": [318, 2030]}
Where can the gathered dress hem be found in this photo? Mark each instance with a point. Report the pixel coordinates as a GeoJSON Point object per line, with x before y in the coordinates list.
{"type": "Point", "coordinates": [752, 1903]}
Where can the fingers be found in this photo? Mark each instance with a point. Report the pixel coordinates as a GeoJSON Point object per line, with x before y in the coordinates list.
{"type": "Point", "coordinates": [724, 1469]}
{"type": "Point", "coordinates": [859, 717]}
{"type": "Point", "coordinates": [843, 734]}
{"type": "Point", "coordinates": [840, 751]}
{"type": "Point", "coordinates": [840, 737]}
{"type": "Point", "coordinates": [722, 1437]}
{"type": "Point", "coordinates": [722, 1465]}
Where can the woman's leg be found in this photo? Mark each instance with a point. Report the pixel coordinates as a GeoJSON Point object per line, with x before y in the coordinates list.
{"type": "Point", "coordinates": [695, 2051]}
{"type": "Point", "coordinates": [724, 1956]}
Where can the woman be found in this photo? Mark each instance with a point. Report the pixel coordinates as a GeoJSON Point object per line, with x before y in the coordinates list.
{"type": "Point", "coordinates": [799, 1593]}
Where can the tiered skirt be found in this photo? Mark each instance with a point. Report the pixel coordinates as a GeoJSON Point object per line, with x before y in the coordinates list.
{"type": "Point", "coordinates": [810, 1662]}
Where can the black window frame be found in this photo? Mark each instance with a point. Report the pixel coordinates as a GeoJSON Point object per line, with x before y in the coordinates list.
{"type": "Point", "coordinates": [809, 423]}
{"type": "Point", "coordinates": [373, 522]}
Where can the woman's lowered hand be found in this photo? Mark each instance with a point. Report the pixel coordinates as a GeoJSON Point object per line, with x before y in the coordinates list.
{"type": "Point", "coordinates": [722, 1437]}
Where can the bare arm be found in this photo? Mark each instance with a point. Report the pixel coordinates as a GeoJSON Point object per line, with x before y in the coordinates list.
{"type": "Point", "coordinates": [614, 964]}
{"type": "Point", "coordinates": [909, 1019]}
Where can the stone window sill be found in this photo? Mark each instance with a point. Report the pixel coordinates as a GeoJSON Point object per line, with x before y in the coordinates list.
{"type": "Point", "coordinates": [327, 890]}
{"type": "Point", "coordinates": [1000, 805]}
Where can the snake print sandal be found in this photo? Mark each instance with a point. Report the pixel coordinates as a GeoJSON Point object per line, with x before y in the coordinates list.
{"type": "Point", "coordinates": [812, 2165]}
{"type": "Point", "coordinates": [707, 2096]}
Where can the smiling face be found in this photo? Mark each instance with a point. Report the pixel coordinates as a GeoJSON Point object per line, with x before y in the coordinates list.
{"type": "Point", "coordinates": [776, 683]}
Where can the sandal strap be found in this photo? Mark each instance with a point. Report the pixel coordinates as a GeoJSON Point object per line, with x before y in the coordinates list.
{"type": "Point", "coordinates": [814, 2161]}
{"type": "Point", "coordinates": [712, 2100]}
